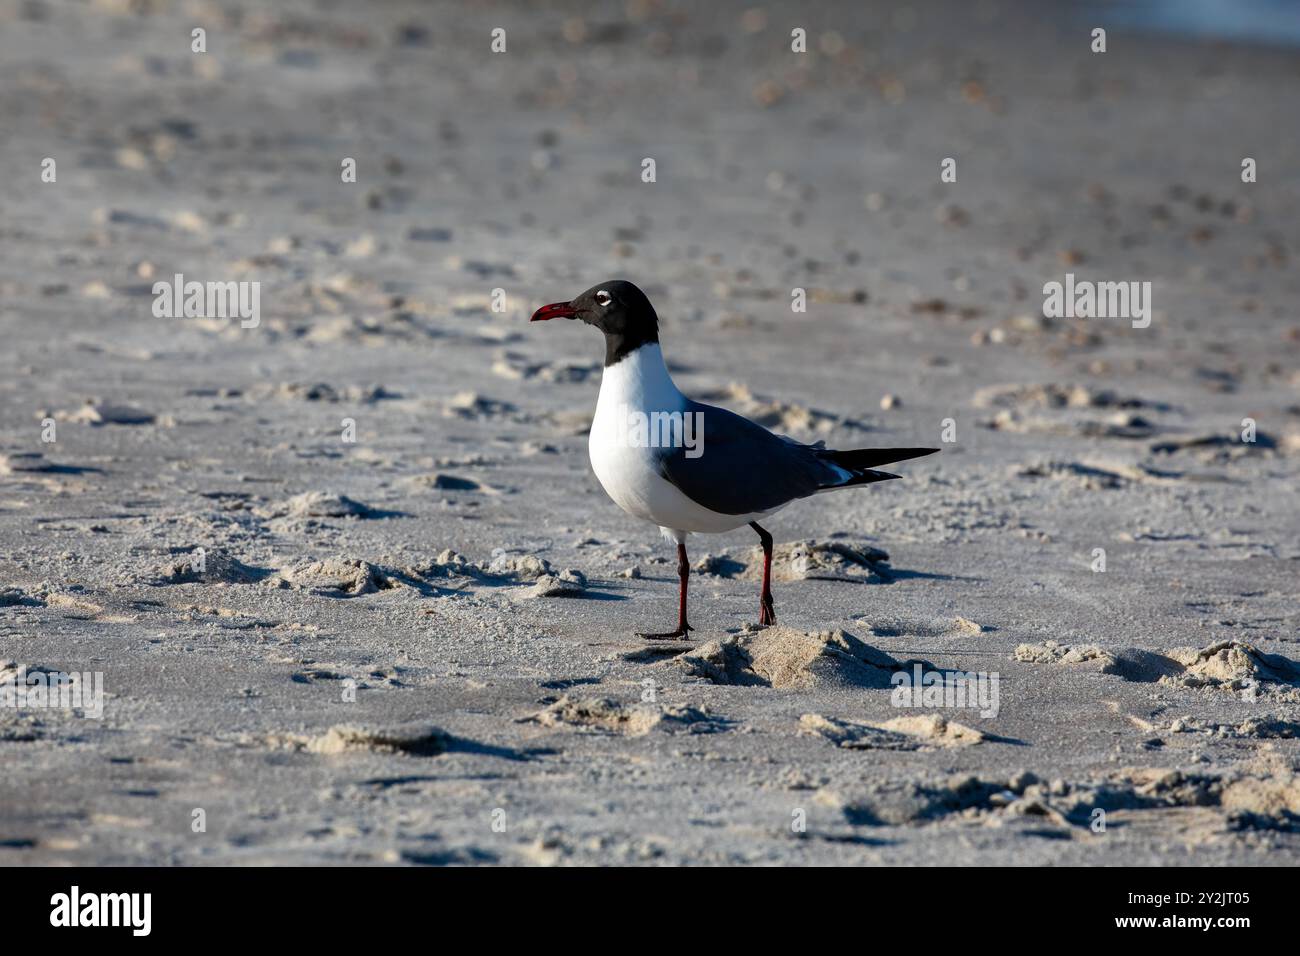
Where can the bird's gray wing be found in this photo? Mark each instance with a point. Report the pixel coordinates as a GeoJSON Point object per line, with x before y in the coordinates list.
{"type": "Point", "coordinates": [742, 468]}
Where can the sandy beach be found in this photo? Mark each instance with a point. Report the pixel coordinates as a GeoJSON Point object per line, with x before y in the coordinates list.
{"type": "Point", "coordinates": [351, 587]}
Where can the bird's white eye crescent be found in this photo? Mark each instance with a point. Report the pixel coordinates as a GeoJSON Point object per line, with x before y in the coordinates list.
{"type": "Point", "coordinates": [603, 298]}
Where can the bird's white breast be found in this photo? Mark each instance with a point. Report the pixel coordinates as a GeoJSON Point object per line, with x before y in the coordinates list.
{"type": "Point", "coordinates": [628, 468]}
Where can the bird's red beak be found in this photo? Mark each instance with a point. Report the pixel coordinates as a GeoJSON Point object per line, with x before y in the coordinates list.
{"type": "Point", "coordinates": [556, 310]}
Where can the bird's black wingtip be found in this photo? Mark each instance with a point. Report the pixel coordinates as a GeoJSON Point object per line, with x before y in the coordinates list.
{"type": "Point", "coordinates": [868, 477]}
{"type": "Point", "coordinates": [857, 459]}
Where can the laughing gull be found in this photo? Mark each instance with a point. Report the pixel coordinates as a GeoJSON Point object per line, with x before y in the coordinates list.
{"type": "Point", "coordinates": [690, 467]}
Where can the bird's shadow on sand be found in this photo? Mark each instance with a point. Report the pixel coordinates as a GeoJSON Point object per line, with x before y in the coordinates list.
{"type": "Point", "coordinates": [890, 575]}
{"type": "Point", "coordinates": [590, 595]}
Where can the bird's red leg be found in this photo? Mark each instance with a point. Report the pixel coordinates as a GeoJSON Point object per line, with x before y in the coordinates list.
{"type": "Point", "coordinates": [766, 606]}
{"type": "Point", "coordinates": [683, 574]}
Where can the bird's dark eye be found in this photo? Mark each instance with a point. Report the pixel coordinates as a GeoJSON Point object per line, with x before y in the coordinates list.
{"type": "Point", "coordinates": [603, 298]}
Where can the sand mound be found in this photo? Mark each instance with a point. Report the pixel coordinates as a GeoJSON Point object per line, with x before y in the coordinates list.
{"type": "Point", "coordinates": [441, 481]}
{"type": "Point", "coordinates": [73, 604]}
{"type": "Point", "coordinates": [1247, 801]}
{"type": "Point", "coordinates": [824, 561]}
{"type": "Point", "coordinates": [610, 716]}
{"type": "Point", "coordinates": [1231, 664]}
{"type": "Point", "coordinates": [349, 576]}
{"type": "Point", "coordinates": [913, 732]}
{"type": "Point", "coordinates": [321, 392]}
{"type": "Point", "coordinates": [781, 657]}
{"type": "Point", "coordinates": [1116, 425]}
{"type": "Point", "coordinates": [1268, 727]}
{"type": "Point", "coordinates": [99, 413]}
{"type": "Point", "coordinates": [1263, 802]}
{"type": "Point", "coordinates": [934, 729]}
{"type": "Point", "coordinates": [803, 561]}
{"type": "Point", "coordinates": [322, 504]}
{"type": "Point", "coordinates": [852, 735]}
{"type": "Point", "coordinates": [212, 568]}
{"type": "Point", "coordinates": [1265, 727]}
{"type": "Point", "coordinates": [568, 583]}
{"type": "Point", "coordinates": [471, 406]}
{"type": "Point", "coordinates": [521, 567]}
{"type": "Point", "coordinates": [547, 582]}
{"type": "Point", "coordinates": [415, 739]}
{"type": "Point", "coordinates": [911, 802]}
{"type": "Point", "coordinates": [720, 566]}
{"type": "Point", "coordinates": [448, 564]}
{"type": "Point", "coordinates": [1053, 396]}
{"type": "Point", "coordinates": [1050, 652]}
{"type": "Point", "coordinates": [934, 627]}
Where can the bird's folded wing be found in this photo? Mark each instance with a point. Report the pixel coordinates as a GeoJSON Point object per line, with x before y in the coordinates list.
{"type": "Point", "coordinates": [741, 467]}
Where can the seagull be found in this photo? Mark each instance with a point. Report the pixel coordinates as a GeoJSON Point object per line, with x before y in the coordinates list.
{"type": "Point", "coordinates": [690, 467]}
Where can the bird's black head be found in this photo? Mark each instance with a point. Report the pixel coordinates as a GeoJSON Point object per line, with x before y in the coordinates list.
{"type": "Point", "coordinates": [617, 308]}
